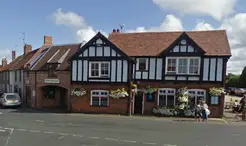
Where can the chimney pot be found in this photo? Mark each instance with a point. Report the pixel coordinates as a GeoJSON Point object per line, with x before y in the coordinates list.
{"type": "Point", "coordinates": [114, 30]}
{"type": "Point", "coordinates": [4, 61]}
{"type": "Point", "coordinates": [13, 55]}
{"type": "Point", "coordinates": [47, 40]}
{"type": "Point", "coordinates": [27, 49]}
{"type": "Point", "coordinates": [118, 30]}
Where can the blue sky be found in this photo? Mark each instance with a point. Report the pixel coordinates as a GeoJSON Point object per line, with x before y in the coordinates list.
{"type": "Point", "coordinates": [39, 18]}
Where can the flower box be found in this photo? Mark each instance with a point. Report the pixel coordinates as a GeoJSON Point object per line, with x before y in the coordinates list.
{"type": "Point", "coordinates": [116, 94]}
{"type": "Point", "coordinates": [78, 92]}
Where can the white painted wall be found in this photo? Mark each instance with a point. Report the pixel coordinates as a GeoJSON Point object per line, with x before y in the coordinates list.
{"type": "Point", "coordinates": [18, 82]}
{"type": "Point", "coordinates": [209, 69]}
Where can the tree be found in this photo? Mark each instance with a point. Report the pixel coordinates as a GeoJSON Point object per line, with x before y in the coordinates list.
{"type": "Point", "coordinates": [232, 80]}
{"type": "Point", "coordinates": [242, 79]}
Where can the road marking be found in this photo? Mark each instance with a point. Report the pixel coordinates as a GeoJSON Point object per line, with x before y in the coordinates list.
{"type": "Point", "coordinates": [70, 123]}
{"type": "Point", "coordinates": [41, 121]}
{"type": "Point", "coordinates": [129, 141]}
{"type": "Point", "coordinates": [111, 139]}
{"type": "Point", "coordinates": [149, 143]}
{"type": "Point", "coordinates": [8, 139]}
{"type": "Point", "coordinates": [172, 145]}
{"type": "Point", "coordinates": [48, 132]}
{"type": "Point", "coordinates": [61, 137]}
{"type": "Point", "coordinates": [75, 135]}
{"type": "Point", "coordinates": [94, 137]}
{"type": "Point", "coordinates": [34, 131]}
{"type": "Point", "coordinates": [2, 130]}
{"type": "Point", "coordinates": [63, 133]}
{"type": "Point", "coordinates": [21, 129]}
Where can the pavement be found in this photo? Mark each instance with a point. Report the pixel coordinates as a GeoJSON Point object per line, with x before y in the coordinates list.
{"type": "Point", "coordinates": [24, 127]}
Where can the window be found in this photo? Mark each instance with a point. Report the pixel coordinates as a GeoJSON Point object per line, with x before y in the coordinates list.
{"type": "Point", "coordinates": [183, 65]}
{"type": "Point", "coordinates": [99, 98]}
{"type": "Point", "coordinates": [51, 71]}
{"type": "Point", "coordinates": [171, 65]}
{"type": "Point", "coordinates": [142, 64]}
{"type": "Point", "coordinates": [194, 66]}
{"type": "Point", "coordinates": [214, 100]}
{"type": "Point", "coordinates": [166, 97]}
{"type": "Point", "coordinates": [99, 69]}
{"type": "Point", "coordinates": [195, 95]}
{"type": "Point", "coordinates": [20, 75]}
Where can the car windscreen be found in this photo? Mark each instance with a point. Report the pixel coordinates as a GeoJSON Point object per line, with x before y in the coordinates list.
{"type": "Point", "coordinates": [11, 97]}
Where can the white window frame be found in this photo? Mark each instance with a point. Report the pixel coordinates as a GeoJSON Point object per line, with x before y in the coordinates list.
{"type": "Point", "coordinates": [99, 97]}
{"type": "Point", "coordinates": [146, 63]}
{"type": "Point", "coordinates": [99, 68]}
{"type": "Point", "coordinates": [166, 89]}
{"type": "Point", "coordinates": [177, 65]}
{"type": "Point", "coordinates": [197, 90]}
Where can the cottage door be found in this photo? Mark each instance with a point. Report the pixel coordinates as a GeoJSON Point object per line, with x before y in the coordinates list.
{"type": "Point", "coordinates": [138, 103]}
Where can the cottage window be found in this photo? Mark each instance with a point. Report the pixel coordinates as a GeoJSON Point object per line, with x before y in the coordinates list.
{"type": "Point", "coordinates": [15, 75]}
{"type": "Point", "coordinates": [183, 65]}
{"type": "Point", "coordinates": [166, 97]}
{"type": "Point", "coordinates": [171, 66]}
{"type": "Point", "coordinates": [195, 95]}
{"type": "Point", "coordinates": [99, 98]}
{"type": "Point", "coordinates": [194, 66]}
{"type": "Point", "coordinates": [142, 64]}
{"type": "Point", "coordinates": [99, 69]}
{"type": "Point", "coordinates": [51, 71]}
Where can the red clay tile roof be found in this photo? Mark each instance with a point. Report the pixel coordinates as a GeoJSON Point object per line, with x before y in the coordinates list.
{"type": "Point", "coordinates": [54, 56]}
{"type": "Point", "coordinates": [23, 60]}
{"type": "Point", "coordinates": [214, 43]}
{"type": "Point", "coordinates": [8, 66]}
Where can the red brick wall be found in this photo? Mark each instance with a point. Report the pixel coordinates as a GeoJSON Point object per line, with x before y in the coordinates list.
{"type": "Point", "coordinates": [82, 104]}
{"type": "Point", "coordinates": [216, 110]}
{"type": "Point", "coordinates": [63, 76]}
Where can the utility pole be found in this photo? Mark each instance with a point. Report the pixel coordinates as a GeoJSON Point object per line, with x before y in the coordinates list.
{"type": "Point", "coordinates": [121, 27]}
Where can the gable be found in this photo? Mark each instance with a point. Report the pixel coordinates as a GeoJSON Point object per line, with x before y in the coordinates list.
{"type": "Point", "coordinates": [184, 45]}
{"type": "Point", "coordinates": [99, 46]}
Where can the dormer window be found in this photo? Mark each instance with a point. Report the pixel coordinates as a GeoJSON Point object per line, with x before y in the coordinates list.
{"type": "Point", "coordinates": [142, 64]}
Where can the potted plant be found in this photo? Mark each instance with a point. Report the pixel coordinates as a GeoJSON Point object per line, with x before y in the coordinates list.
{"type": "Point", "coordinates": [134, 88]}
{"type": "Point", "coordinates": [78, 92]}
{"type": "Point", "coordinates": [216, 91]}
{"type": "Point", "coordinates": [182, 95]}
{"type": "Point", "coordinates": [149, 89]}
{"type": "Point", "coordinates": [116, 94]}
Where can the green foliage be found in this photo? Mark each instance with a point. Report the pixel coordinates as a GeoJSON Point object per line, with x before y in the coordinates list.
{"type": "Point", "coordinates": [242, 79]}
{"type": "Point", "coordinates": [232, 80]}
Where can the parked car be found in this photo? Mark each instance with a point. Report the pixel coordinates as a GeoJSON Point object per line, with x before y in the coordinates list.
{"type": "Point", "coordinates": [10, 100]}
{"type": "Point", "coordinates": [239, 92]}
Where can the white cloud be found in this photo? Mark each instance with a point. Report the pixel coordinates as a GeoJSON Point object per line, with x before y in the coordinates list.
{"type": "Point", "coordinates": [203, 26]}
{"type": "Point", "coordinates": [218, 9]}
{"type": "Point", "coordinates": [170, 23]}
{"type": "Point", "coordinates": [84, 32]}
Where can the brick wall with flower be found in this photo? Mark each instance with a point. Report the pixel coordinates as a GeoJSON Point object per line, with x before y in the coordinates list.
{"type": "Point", "coordinates": [116, 94]}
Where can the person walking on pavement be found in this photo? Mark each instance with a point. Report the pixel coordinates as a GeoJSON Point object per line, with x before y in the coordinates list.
{"type": "Point", "coordinates": [241, 106]}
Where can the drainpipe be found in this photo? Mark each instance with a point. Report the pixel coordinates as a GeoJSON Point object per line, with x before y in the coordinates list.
{"type": "Point", "coordinates": [35, 73]}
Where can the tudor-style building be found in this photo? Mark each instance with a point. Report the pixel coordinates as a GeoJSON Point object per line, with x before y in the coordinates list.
{"type": "Point", "coordinates": [163, 60]}
{"type": "Point", "coordinates": [97, 68]}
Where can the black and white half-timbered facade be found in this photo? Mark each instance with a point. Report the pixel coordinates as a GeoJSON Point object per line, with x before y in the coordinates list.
{"type": "Point", "coordinates": [163, 60]}
{"type": "Point", "coordinates": [172, 60]}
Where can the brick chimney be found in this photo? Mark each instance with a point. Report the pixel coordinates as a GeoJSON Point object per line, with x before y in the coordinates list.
{"type": "Point", "coordinates": [47, 40]}
{"type": "Point", "coordinates": [118, 30]}
{"type": "Point", "coordinates": [27, 49]}
{"type": "Point", "coordinates": [4, 61]}
{"type": "Point", "coordinates": [114, 30]}
{"type": "Point", "coordinates": [13, 55]}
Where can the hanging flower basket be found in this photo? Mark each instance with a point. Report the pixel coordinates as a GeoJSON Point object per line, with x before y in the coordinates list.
{"type": "Point", "coordinates": [182, 95]}
{"type": "Point", "coordinates": [78, 92]}
{"type": "Point", "coordinates": [116, 94]}
{"type": "Point", "coordinates": [150, 90]}
{"type": "Point", "coordinates": [216, 91]}
{"type": "Point", "coordinates": [134, 88]}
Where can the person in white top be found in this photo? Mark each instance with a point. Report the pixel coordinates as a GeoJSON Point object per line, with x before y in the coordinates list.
{"type": "Point", "coordinates": [205, 111]}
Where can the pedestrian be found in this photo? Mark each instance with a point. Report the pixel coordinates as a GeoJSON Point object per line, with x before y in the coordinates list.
{"type": "Point", "coordinates": [241, 106]}
{"type": "Point", "coordinates": [205, 111]}
{"type": "Point", "coordinates": [198, 111]}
